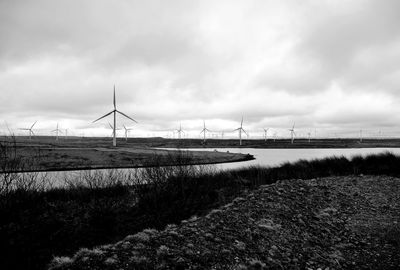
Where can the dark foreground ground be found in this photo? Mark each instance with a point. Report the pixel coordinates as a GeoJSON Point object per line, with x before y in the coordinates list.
{"type": "Point", "coordinates": [343, 222]}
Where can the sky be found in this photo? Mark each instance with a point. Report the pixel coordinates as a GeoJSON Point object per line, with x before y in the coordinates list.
{"type": "Point", "coordinates": [332, 67]}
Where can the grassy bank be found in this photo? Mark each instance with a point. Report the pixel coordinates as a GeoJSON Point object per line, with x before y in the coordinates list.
{"type": "Point", "coordinates": [36, 224]}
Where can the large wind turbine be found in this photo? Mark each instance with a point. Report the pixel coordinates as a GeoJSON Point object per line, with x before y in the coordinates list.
{"type": "Point", "coordinates": [204, 131]}
{"type": "Point", "coordinates": [114, 112]}
{"type": "Point", "coordinates": [292, 133]}
{"type": "Point", "coordinates": [240, 131]}
{"type": "Point", "coordinates": [265, 133]}
{"type": "Point", "coordinates": [30, 130]}
{"type": "Point", "coordinates": [180, 131]}
{"type": "Point", "coordinates": [126, 132]}
{"type": "Point", "coordinates": [57, 130]}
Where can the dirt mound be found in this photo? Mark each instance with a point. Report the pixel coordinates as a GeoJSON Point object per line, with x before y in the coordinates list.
{"type": "Point", "coordinates": [350, 222]}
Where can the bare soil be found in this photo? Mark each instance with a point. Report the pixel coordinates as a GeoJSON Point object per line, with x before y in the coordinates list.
{"type": "Point", "coordinates": [349, 222]}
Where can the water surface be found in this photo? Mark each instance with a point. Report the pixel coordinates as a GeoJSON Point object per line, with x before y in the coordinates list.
{"type": "Point", "coordinates": [275, 157]}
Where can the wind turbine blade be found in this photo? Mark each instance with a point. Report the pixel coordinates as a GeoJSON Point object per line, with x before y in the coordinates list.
{"type": "Point", "coordinates": [236, 129]}
{"type": "Point", "coordinates": [114, 99]}
{"type": "Point", "coordinates": [244, 131]}
{"type": "Point", "coordinates": [110, 125]}
{"type": "Point", "coordinates": [103, 116]}
{"type": "Point", "coordinates": [294, 125]}
{"type": "Point", "coordinates": [32, 132]}
{"type": "Point", "coordinates": [24, 129]}
{"type": "Point", "coordinates": [33, 124]}
{"type": "Point", "coordinates": [126, 116]}
{"type": "Point", "coordinates": [241, 123]}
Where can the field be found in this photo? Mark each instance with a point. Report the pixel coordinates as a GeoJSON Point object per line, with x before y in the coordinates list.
{"type": "Point", "coordinates": [45, 154]}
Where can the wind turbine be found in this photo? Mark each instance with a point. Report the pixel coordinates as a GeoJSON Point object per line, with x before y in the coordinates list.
{"type": "Point", "coordinates": [30, 130]}
{"type": "Point", "coordinates": [57, 130]}
{"type": "Point", "coordinates": [126, 132]}
{"type": "Point", "coordinates": [292, 133]}
{"type": "Point", "coordinates": [114, 112]}
{"type": "Point", "coordinates": [309, 137]}
{"type": "Point", "coordinates": [240, 131]}
{"type": "Point", "coordinates": [265, 133]}
{"type": "Point", "coordinates": [114, 129]}
{"type": "Point", "coordinates": [180, 131]}
{"type": "Point", "coordinates": [204, 131]}
{"type": "Point", "coordinates": [361, 134]}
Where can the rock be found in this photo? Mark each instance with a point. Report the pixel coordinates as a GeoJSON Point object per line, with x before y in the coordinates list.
{"type": "Point", "coordinates": [240, 245]}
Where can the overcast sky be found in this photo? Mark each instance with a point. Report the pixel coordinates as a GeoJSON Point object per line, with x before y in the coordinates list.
{"type": "Point", "coordinates": [333, 65]}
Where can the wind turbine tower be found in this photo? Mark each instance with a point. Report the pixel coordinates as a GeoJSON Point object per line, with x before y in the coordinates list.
{"type": "Point", "coordinates": [30, 130]}
{"type": "Point", "coordinates": [57, 130]}
{"type": "Point", "coordinates": [204, 131]}
{"type": "Point", "coordinates": [180, 131]}
{"type": "Point", "coordinates": [292, 133]}
{"type": "Point", "coordinates": [113, 130]}
{"type": "Point", "coordinates": [126, 132]}
{"type": "Point", "coordinates": [114, 112]}
{"type": "Point", "coordinates": [265, 133]}
{"type": "Point", "coordinates": [240, 129]}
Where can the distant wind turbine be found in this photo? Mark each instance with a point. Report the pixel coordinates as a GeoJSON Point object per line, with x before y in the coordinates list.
{"type": "Point", "coordinates": [292, 133]}
{"type": "Point", "coordinates": [180, 131]}
{"type": "Point", "coordinates": [126, 132]}
{"type": "Point", "coordinates": [113, 129]}
{"type": "Point", "coordinates": [30, 131]}
{"type": "Point", "coordinates": [57, 130]}
{"type": "Point", "coordinates": [240, 129]}
{"type": "Point", "coordinates": [309, 137]}
{"type": "Point", "coordinates": [114, 112]}
{"type": "Point", "coordinates": [361, 135]}
{"type": "Point", "coordinates": [204, 131]}
{"type": "Point", "coordinates": [265, 133]}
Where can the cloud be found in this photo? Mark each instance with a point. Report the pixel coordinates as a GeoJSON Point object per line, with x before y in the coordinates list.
{"type": "Point", "coordinates": [319, 63]}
